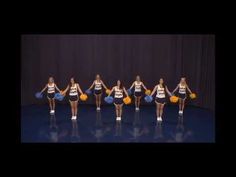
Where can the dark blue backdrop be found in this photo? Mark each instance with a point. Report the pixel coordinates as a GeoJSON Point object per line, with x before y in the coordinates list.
{"type": "Point", "coordinates": [119, 56]}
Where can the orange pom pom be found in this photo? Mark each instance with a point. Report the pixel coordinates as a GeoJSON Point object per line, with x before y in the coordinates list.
{"type": "Point", "coordinates": [192, 95]}
{"type": "Point", "coordinates": [174, 99]}
{"type": "Point", "coordinates": [148, 92]}
{"type": "Point", "coordinates": [108, 91]}
{"type": "Point", "coordinates": [127, 100]}
{"type": "Point", "coordinates": [83, 97]}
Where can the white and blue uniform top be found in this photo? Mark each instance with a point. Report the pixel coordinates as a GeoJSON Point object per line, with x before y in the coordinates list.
{"type": "Point", "coordinates": [98, 85]}
{"type": "Point", "coordinates": [160, 92]}
{"type": "Point", "coordinates": [51, 88]}
{"type": "Point", "coordinates": [182, 89]}
{"type": "Point", "coordinates": [137, 86]}
{"type": "Point", "coordinates": [73, 90]}
{"type": "Point", "coordinates": [118, 92]}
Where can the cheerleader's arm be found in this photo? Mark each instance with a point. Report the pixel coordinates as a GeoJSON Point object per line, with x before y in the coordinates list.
{"type": "Point", "coordinates": [79, 89]}
{"type": "Point", "coordinates": [64, 92]}
{"type": "Point", "coordinates": [91, 86]}
{"type": "Point", "coordinates": [44, 89]}
{"type": "Point", "coordinates": [153, 91]}
{"type": "Point", "coordinates": [57, 88]}
{"type": "Point", "coordinates": [111, 91]}
{"type": "Point", "coordinates": [167, 90]}
{"type": "Point", "coordinates": [175, 89]}
{"type": "Point", "coordinates": [189, 89]}
{"type": "Point", "coordinates": [125, 91]}
{"type": "Point", "coordinates": [104, 85]}
{"type": "Point", "coordinates": [132, 86]}
{"type": "Point", "coordinates": [144, 86]}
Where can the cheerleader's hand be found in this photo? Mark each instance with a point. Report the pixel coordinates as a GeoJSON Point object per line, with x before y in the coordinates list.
{"type": "Point", "coordinates": [63, 93]}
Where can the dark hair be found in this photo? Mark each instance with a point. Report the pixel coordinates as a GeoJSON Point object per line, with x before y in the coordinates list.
{"type": "Point", "coordinates": [70, 80]}
{"type": "Point", "coordinates": [163, 84]}
{"type": "Point", "coordinates": [121, 85]}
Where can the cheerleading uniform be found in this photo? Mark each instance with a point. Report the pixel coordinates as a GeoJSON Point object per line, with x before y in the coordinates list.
{"type": "Point", "coordinates": [98, 87]}
{"type": "Point", "coordinates": [137, 89]}
{"type": "Point", "coordinates": [73, 95]}
{"type": "Point", "coordinates": [118, 98]}
{"type": "Point", "coordinates": [51, 91]}
{"type": "Point", "coordinates": [160, 96]}
{"type": "Point", "coordinates": [182, 91]}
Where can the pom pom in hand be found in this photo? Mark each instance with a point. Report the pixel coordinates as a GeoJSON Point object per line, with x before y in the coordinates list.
{"type": "Point", "coordinates": [129, 91]}
{"type": "Point", "coordinates": [148, 98]}
{"type": "Point", "coordinates": [192, 96]}
{"type": "Point", "coordinates": [108, 99]}
{"type": "Point", "coordinates": [148, 92]}
{"type": "Point", "coordinates": [83, 97]}
{"type": "Point", "coordinates": [59, 97]}
{"type": "Point", "coordinates": [127, 100]}
{"type": "Point", "coordinates": [88, 92]}
{"type": "Point", "coordinates": [39, 95]}
{"type": "Point", "coordinates": [108, 91]}
{"type": "Point", "coordinates": [174, 99]}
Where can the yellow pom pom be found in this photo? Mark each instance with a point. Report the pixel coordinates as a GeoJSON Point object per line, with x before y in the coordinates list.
{"type": "Point", "coordinates": [108, 91]}
{"type": "Point", "coordinates": [83, 97]}
{"type": "Point", "coordinates": [148, 92]}
{"type": "Point", "coordinates": [127, 100]}
{"type": "Point", "coordinates": [174, 99]}
{"type": "Point", "coordinates": [192, 96]}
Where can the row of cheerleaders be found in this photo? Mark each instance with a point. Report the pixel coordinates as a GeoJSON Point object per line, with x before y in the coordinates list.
{"type": "Point", "coordinates": [118, 95]}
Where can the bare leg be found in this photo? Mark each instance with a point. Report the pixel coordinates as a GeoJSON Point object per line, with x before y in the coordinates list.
{"type": "Point", "coordinates": [96, 97]}
{"type": "Point", "coordinates": [139, 98]}
{"type": "Point", "coordinates": [50, 104]}
{"type": "Point", "coordinates": [53, 104]}
{"type": "Point", "coordinates": [76, 107]}
{"type": "Point", "coordinates": [72, 109]}
{"type": "Point", "coordinates": [161, 109]}
{"type": "Point", "coordinates": [136, 102]}
{"type": "Point", "coordinates": [99, 100]}
{"type": "Point", "coordinates": [157, 109]}
{"type": "Point", "coordinates": [116, 111]}
{"type": "Point", "coordinates": [121, 109]}
{"type": "Point", "coordinates": [180, 104]}
{"type": "Point", "coordinates": [183, 102]}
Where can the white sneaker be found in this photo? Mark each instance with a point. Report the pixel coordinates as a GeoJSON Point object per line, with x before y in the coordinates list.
{"type": "Point", "coordinates": [98, 109]}
{"type": "Point", "coordinates": [137, 109]}
{"type": "Point", "coordinates": [157, 118]}
{"type": "Point", "coordinates": [53, 111]}
{"type": "Point", "coordinates": [50, 111]}
{"type": "Point", "coordinates": [180, 112]}
{"type": "Point", "coordinates": [160, 119]}
{"type": "Point", "coordinates": [118, 118]}
{"type": "Point", "coordinates": [73, 117]}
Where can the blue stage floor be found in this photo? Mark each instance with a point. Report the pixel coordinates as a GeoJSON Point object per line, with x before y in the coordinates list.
{"type": "Point", "coordinates": [197, 125]}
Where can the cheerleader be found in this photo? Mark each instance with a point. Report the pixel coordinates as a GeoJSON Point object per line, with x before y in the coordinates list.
{"type": "Point", "coordinates": [182, 86]}
{"type": "Point", "coordinates": [51, 86]}
{"type": "Point", "coordinates": [73, 96]}
{"type": "Point", "coordinates": [97, 84]}
{"type": "Point", "coordinates": [137, 84]}
{"type": "Point", "coordinates": [118, 98]}
{"type": "Point", "coordinates": [160, 100]}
